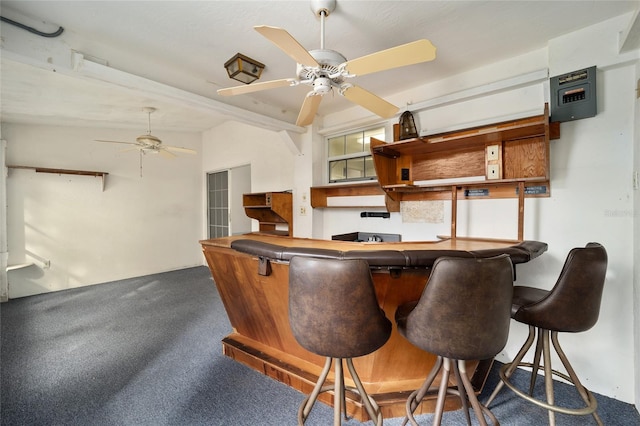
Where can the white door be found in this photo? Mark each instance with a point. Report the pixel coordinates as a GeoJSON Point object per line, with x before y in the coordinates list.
{"type": "Point", "coordinates": [240, 183]}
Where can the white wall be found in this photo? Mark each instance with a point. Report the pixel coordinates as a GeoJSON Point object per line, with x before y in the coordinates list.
{"type": "Point", "coordinates": [234, 144]}
{"type": "Point", "coordinates": [4, 254]}
{"type": "Point", "coordinates": [239, 184]}
{"type": "Point", "coordinates": [590, 190]}
{"type": "Point", "coordinates": [636, 238]}
{"type": "Point", "coordinates": [136, 226]}
{"type": "Point", "coordinates": [595, 171]}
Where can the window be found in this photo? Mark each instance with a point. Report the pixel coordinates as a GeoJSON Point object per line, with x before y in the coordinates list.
{"type": "Point", "coordinates": [349, 156]}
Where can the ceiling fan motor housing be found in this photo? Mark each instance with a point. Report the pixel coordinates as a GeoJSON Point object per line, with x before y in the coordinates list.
{"type": "Point", "coordinates": [149, 141]}
{"type": "Point", "coordinates": [329, 61]}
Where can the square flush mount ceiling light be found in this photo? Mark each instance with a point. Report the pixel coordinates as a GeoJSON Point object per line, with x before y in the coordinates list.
{"type": "Point", "coordinates": [243, 68]}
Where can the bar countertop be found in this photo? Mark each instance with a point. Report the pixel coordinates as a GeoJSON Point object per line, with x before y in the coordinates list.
{"type": "Point", "coordinates": [444, 243]}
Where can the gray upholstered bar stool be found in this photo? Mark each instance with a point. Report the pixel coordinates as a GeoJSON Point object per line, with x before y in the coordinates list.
{"type": "Point", "coordinates": [462, 314]}
{"type": "Point", "coordinates": [572, 305]}
{"type": "Point", "coordinates": [333, 312]}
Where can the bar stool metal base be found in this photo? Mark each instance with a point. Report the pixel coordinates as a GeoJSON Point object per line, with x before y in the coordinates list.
{"type": "Point", "coordinates": [543, 347]}
{"type": "Point", "coordinates": [465, 391]}
{"type": "Point", "coordinates": [339, 404]}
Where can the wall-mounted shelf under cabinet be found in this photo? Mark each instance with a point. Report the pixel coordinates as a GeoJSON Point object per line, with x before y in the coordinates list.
{"type": "Point", "coordinates": [270, 209]}
{"type": "Point", "coordinates": [102, 175]}
{"type": "Point", "coordinates": [321, 195]}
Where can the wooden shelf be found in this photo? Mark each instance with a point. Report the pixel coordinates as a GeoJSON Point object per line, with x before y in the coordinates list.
{"type": "Point", "coordinates": [457, 166]}
{"type": "Point", "coordinates": [101, 175]}
{"type": "Point", "coordinates": [466, 139]}
{"type": "Point", "coordinates": [270, 209]}
{"type": "Point", "coordinates": [435, 162]}
{"type": "Point", "coordinates": [320, 195]}
{"type": "Point", "coordinates": [504, 160]}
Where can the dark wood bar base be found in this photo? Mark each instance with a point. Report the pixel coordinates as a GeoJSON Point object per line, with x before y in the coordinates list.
{"type": "Point", "coordinates": [392, 404]}
{"type": "Point", "coordinates": [252, 280]}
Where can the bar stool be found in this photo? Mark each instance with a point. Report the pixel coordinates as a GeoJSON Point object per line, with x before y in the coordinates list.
{"type": "Point", "coordinates": [333, 312]}
{"type": "Point", "coordinates": [462, 314]}
{"type": "Point", "coordinates": [572, 306]}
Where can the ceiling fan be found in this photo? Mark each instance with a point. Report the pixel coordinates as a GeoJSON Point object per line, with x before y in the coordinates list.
{"type": "Point", "coordinates": [150, 144]}
{"type": "Point", "coordinates": [325, 70]}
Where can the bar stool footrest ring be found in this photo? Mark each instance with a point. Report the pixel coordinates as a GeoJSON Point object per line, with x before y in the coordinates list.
{"type": "Point", "coordinates": [589, 409]}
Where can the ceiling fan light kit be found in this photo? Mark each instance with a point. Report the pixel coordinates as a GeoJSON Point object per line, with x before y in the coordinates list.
{"type": "Point", "coordinates": [244, 69]}
{"type": "Point", "coordinates": [324, 69]}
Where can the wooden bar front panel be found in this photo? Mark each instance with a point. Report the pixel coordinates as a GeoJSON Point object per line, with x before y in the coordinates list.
{"type": "Point", "coordinates": [257, 307]}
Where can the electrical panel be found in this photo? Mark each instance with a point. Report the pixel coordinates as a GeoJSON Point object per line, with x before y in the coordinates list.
{"type": "Point", "coordinates": [573, 95]}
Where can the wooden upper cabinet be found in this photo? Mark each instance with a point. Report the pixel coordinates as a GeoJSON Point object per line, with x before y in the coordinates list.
{"type": "Point", "coordinates": [492, 161]}
{"type": "Point", "coordinates": [488, 161]}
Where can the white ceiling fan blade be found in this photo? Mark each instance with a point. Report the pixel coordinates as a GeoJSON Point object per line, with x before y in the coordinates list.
{"type": "Point", "coordinates": [248, 88]}
{"type": "Point", "coordinates": [368, 100]}
{"type": "Point", "coordinates": [288, 45]}
{"type": "Point", "coordinates": [127, 143]}
{"type": "Point", "coordinates": [166, 154]}
{"type": "Point", "coordinates": [399, 56]}
{"type": "Point", "coordinates": [179, 149]}
{"type": "Point", "coordinates": [308, 111]}
{"type": "Point", "coordinates": [137, 148]}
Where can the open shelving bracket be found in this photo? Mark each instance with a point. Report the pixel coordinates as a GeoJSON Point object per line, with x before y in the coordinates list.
{"type": "Point", "coordinates": [102, 175]}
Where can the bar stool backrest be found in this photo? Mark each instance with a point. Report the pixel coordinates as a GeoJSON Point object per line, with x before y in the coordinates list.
{"type": "Point", "coordinates": [464, 310]}
{"type": "Point", "coordinates": [573, 304]}
{"type": "Point", "coordinates": [333, 309]}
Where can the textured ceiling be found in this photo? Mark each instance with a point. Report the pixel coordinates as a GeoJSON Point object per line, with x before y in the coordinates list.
{"type": "Point", "coordinates": [184, 44]}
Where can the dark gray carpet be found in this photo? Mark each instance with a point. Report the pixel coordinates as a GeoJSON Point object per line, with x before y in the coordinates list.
{"type": "Point", "coordinates": [146, 351]}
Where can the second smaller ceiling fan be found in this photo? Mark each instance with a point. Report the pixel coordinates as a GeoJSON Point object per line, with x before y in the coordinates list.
{"type": "Point", "coordinates": [150, 144]}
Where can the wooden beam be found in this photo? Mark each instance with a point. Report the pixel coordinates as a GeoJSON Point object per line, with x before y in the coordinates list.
{"type": "Point", "coordinates": [454, 211]}
{"type": "Point", "coordinates": [521, 210]}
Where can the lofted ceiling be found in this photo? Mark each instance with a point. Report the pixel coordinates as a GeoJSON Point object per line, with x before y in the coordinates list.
{"type": "Point", "coordinates": [184, 44]}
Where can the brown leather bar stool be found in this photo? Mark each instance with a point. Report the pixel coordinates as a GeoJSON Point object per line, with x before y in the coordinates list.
{"type": "Point", "coordinates": [333, 312]}
{"type": "Point", "coordinates": [571, 306]}
{"type": "Point", "coordinates": [462, 314]}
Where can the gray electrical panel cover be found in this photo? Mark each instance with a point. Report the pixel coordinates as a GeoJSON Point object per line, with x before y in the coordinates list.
{"type": "Point", "coordinates": [573, 95]}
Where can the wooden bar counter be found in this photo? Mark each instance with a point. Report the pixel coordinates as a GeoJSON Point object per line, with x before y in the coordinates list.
{"type": "Point", "coordinates": [251, 275]}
